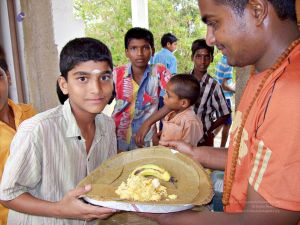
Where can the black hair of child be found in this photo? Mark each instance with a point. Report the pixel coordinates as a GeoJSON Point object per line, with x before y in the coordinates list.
{"type": "Point", "coordinates": [80, 50]}
{"type": "Point", "coordinates": [201, 44]}
{"type": "Point", "coordinates": [139, 33]}
{"type": "Point", "coordinates": [186, 86]}
{"type": "Point", "coordinates": [168, 38]}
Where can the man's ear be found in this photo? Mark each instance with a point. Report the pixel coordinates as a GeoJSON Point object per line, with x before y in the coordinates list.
{"type": "Point", "coordinates": [259, 10]}
{"type": "Point", "coordinates": [63, 84]}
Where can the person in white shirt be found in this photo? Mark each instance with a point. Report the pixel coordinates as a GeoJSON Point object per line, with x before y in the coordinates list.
{"type": "Point", "coordinates": [55, 149]}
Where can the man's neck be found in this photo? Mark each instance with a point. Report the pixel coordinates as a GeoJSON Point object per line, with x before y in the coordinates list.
{"type": "Point", "coordinates": [199, 74]}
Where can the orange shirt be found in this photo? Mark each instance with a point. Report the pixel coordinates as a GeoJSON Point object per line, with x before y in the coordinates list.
{"type": "Point", "coordinates": [21, 112]}
{"type": "Point", "coordinates": [185, 126]}
{"type": "Point", "coordinates": [269, 156]}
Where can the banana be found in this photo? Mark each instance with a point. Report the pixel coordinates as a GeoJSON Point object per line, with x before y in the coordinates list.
{"type": "Point", "coordinates": [153, 170]}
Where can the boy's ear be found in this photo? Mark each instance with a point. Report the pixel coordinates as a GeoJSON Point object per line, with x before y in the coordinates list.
{"type": "Point", "coordinates": [126, 53]}
{"type": "Point", "coordinates": [63, 84]}
{"type": "Point", "coordinates": [259, 10]}
{"type": "Point", "coordinates": [185, 103]}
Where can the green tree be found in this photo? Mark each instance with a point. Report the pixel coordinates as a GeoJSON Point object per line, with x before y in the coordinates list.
{"type": "Point", "coordinates": [108, 21]}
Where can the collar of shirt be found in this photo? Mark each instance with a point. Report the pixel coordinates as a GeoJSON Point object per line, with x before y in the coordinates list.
{"type": "Point", "coordinates": [203, 78]}
{"type": "Point", "coordinates": [18, 112]}
{"type": "Point", "coordinates": [72, 128]}
{"type": "Point", "coordinates": [166, 51]}
{"type": "Point", "coordinates": [129, 71]}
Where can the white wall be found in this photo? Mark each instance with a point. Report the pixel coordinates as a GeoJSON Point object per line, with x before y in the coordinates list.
{"type": "Point", "coordinates": [66, 26]}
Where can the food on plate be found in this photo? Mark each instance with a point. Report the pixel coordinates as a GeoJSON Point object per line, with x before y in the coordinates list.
{"type": "Point", "coordinates": [143, 184]}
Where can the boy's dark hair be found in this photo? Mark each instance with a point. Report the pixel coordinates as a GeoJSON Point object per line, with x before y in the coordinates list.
{"type": "Point", "coordinates": [186, 86]}
{"type": "Point", "coordinates": [200, 44]}
{"type": "Point", "coordinates": [3, 63]}
{"type": "Point", "coordinates": [77, 51]}
{"type": "Point", "coordinates": [168, 37]}
{"type": "Point", "coordinates": [139, 33]}
{"type": "Point", "coordinates": [285, 9]}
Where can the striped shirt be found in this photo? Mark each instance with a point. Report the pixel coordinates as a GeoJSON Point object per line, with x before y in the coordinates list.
{"type": "Point", "coordinates": [47, 159]}
{"type": "Point", "coordinates": [211, 104]}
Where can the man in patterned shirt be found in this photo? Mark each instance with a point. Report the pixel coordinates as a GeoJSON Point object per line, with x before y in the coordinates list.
{"type": "Point", "coordinates": [138, 86]}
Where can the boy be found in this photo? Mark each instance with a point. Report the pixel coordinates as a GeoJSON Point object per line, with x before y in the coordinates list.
{"type": "Point", "coordinates": [138, 85]}
{"type": "Point", "coordinates": [211, 107]}
{"type": "Point", "coordinates": [11, 115]}
{"type": "Point", "coordinates": [182, 123]}
{"type": "Point", "coordinates": [54, 150]}
{"type": "Point", "coordinates": [264, 144]}
{"type": "Point", "coordinates": [165, 55]}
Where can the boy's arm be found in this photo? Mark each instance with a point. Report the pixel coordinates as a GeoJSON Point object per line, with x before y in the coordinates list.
{"type": "Point", "coordinates": [226, 86]}
{"type": "Point", "coordinates": [257, 212]}
{"type": "Point", "coordinates": [70, 206]}
{"type": "Point", "coordinates": [140, 135]}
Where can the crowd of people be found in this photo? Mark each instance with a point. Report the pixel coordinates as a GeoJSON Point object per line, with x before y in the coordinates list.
{"type": "Point", "coordinates": [44, 156]}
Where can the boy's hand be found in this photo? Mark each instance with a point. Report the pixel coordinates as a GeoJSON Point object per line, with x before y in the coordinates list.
{"type": "Point", "coordinates": [180, 146]}
{"type": "Point", "coordinates": [140, 135]}
{"type": "Point", "coordinates": [72, 207]}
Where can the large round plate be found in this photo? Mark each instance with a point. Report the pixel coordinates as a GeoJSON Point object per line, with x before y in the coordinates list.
{"type": "Point", "coordinates": [193, 186]}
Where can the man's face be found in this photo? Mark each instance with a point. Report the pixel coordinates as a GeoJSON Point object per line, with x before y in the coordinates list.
{"type": "Point", "coordinates": [89, 86]}
{"type": "Point", "coordinates": [229, 32]}
{"type": "Point", "coordinates": [202, 59]}
{"type": "Point", "coordinates": [4, 83]}
{"type": "Point", "coordinates": [139, 52]}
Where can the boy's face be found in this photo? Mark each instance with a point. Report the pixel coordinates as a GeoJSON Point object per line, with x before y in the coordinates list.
{"type": "Point", "coordinates": [235, 35]}
{"type": "Point", "coordinates": [89, 86]}
{"type": "Point", "coordinates": [139, 52]}
{"type": "Point", "coordinates": [172, 47]}
{"type": "Point", "coordinates": [4, 83]}
{"type": "Point", "coordinates": [171, 99]}
{"type": "Point", "coordinates": [202, 59]}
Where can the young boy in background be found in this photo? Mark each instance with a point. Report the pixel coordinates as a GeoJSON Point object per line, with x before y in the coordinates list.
{"type": "Point", "coordinates": [182, 123]}
{"type": "Point", "coordinates": [11, 115]}
{"type": "Point", "coordinates": [138, 86]}
{"type": "Point", "coordinates": [54, 150]}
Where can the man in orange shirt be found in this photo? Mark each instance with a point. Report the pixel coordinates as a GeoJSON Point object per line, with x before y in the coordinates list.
{"type": "Point", "coordinates": [11, 115]}
{"type": "Point", "coordinates": [263, 160]}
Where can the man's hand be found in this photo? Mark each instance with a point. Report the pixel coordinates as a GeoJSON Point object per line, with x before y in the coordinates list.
{"type": "Point", "coordinates": [140, 135]}
{"type": "Point", "coordinates": [180, 146]}
{"type": "Point", "coordinates": [72, 207]}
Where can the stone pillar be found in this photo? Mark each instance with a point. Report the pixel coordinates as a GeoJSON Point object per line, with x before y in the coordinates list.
{"type": "Point", "coordinates": [40, 53]}
{"type": "Point", "coordinates": [139, 9]}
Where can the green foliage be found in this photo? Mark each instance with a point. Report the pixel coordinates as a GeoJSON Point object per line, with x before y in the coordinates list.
{"type": "Point", "coordinates": [108, 21]}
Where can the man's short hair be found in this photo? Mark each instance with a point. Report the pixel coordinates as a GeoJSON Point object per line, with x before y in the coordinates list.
{"type": "Point", "coordinates": [168, 37]}
{"type": "Point", "coordinates": [285, 9]}
{"type": "Point", "coordinates": [186, 86]}
{"type": "Point", "coordinates": [200, 44]}
{"type": "Point", "coordinates": [139, 33]}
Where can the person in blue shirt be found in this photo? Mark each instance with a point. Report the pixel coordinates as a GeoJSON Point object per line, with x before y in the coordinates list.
{"type": "Point", "coordinates": [224, 74]}
{"type": "Point", "coordinates": [165, 56]}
